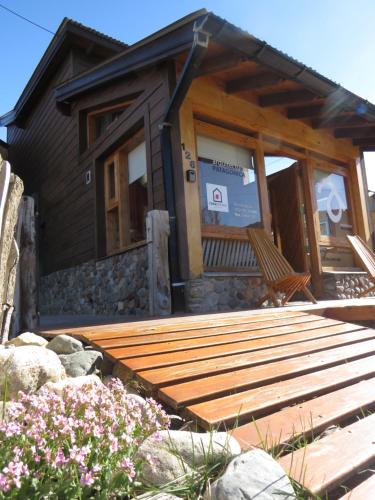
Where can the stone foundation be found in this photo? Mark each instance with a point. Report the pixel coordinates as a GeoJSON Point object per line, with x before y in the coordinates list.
{"type": "Point", "coordinates": [223, 293]}
{"type": "Point", "coordinates": [345, 285]}
{"type": "Point", "coordinates": [114, 285]}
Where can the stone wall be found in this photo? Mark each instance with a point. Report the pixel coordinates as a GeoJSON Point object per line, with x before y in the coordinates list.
{"type": "Point", "coordinates": [345, 285]}
{"type": "Point", "coordinates": [223, 293]}
{"type": "Point", "coordinates": [114, 285]}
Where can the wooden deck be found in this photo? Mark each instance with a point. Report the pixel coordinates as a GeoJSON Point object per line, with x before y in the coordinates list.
{"type": "Point", "coordinates": [269, 376]}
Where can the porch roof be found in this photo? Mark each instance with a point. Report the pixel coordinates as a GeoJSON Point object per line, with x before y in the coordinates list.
{"type": "Point", "coordinates": [275, 79]}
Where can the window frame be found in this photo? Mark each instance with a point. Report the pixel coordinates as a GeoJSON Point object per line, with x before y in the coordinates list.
{"type": "Point", "coordinates": [238, 139]}
{"type": "Point", "coordinates": [121, 201]}
{"type": "Point", "coordinates": [334, 241]}
{"type": "Point", "coordinates": [90, 135]}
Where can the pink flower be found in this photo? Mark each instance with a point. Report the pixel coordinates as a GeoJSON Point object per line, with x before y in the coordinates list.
{"type": "Point", "coordinates": [87, 479]}
{"type": "Point", "coordinates": [128, 467]}
{"type": "Point", "coordinates": [4, 483]}
{"type": "Point", "coordinates": [60, 459]}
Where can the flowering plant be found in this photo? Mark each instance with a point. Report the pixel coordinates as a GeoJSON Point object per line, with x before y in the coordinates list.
{"type": "Point", "coordinates": [82, 444]}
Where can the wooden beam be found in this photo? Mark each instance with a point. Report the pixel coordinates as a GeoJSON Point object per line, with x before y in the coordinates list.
{"type": "Point", "coordinates": [310, 111]}
{"type": "Point", "coordinates": [339, 121]}
{"type": "Point", "coordinates": [253, 82]}
{"type": "Point", "coordinates": [357, 132]}
{"type": "Point", "coordinates": [363, 142]}
{"type": "Point", "coordinates": [209, 100]}
{"type": "Point", "coordinates": [285, 98]}
{"type": "Point", "coordinates": [219, 63]}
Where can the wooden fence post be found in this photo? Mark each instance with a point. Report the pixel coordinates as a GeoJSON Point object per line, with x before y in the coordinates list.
{"type": "Point", "coordinates": [11, 188]}
{"type": "Point", "coordinates": [157, 224]}
{"type": "Point", "coordinates": [25, 297]}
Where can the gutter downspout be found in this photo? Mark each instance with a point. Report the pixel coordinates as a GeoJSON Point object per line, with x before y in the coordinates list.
{"type": "Point", "coordinates": [189, 71]}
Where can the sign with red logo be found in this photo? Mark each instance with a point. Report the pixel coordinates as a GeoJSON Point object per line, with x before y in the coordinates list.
{"type": "Point", "coordinates": [217, 198]}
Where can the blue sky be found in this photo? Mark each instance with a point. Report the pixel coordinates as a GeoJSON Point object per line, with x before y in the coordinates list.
{"type": "Point", "coordinates": [335, 37]}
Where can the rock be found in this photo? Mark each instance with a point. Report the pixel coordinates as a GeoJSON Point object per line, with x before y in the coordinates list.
{"type": "Point", "coordinates": [64, 344]}
{"type": "Point", "coordinates": [254, 474]}
{"type": "Point", "coordinates": [165, 466]}
{"type": "Point", "coordinates": [27, 368]}
{"type": "Point", "coordinates": [28, 338]}
{"type": "Point", "coordinates": [72, 383]}
{"type": "Point", "coordinates": [177, 453]}
{"type": "Point", "coordinates": [81, 363]}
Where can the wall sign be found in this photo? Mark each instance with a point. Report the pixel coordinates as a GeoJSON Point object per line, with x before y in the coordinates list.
{"type": "Point", "coordinates": [228, 187]}
{"type": "Point", "coordinates": [217, 197]}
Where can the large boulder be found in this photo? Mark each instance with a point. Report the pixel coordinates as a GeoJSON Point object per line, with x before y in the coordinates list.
{"type": "Point", "coordinates": [81, 363]}
{"type": "Point", "coordinates": [64, 344]}
{"type": "Point", "coordinates": [27, 368]}
{"type": "Point", "coordinates": [178, 453]}
{"type": "Point", "coordinates": [254, 474]}
{"type": "Point", "coordinates": [72, 383]}
{"type": "Point", "coordinates": [28, 338]}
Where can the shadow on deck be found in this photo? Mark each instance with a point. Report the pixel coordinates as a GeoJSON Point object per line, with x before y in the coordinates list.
{"type": "Point", "coordinates": [269, 375]}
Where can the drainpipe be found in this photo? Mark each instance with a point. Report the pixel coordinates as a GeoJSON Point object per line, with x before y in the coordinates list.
{"type": "Point", "coordinates": [193, 61]}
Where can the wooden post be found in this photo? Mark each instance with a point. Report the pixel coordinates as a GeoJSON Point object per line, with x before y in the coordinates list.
{"type": "Point", "coordinates": [11, 188]}
{"type": "Point", "coordinates": [157, 224]}
{"type": "Point", "coordinates": [26, 303]}
{"type": "Point", "coordinates": [190, 192]}
{"type": "Point", "coordinates": [262, 186]}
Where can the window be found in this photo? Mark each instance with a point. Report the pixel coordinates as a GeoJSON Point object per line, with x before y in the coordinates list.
{"type": "Point", "coordinates": [228, 186]}
{"type": "Point", "coordinates": [335, 219]}
{"type": "Point", "coordinates": [98, 121]}
{"type": "Point", "coordinates": [126, 199]}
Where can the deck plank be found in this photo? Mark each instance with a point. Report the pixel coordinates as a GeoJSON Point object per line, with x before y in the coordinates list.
{"type": "Point", "coordinates": [218, 385]}
{"type": "Point", "coordinates": [364, 491]}
{"type": "Point", "coordinates": [259, 329]}
{"type": "Point", "coordinates": [293, 369]}
{"type": "Point", "coordinates": [326, 463]}
{"type": "Point", "coordinates": [205, 353]}
{"type": "Point", "coordinates": [268, 337]}
{"type": "Point", "coordinates": [257, 402]}
{"type": "Point", "coordinates": [305, 418]}
{"type": "Point", "coordinates": [171, 324]}
{"type": "Point", "coordinates": [170, 371]}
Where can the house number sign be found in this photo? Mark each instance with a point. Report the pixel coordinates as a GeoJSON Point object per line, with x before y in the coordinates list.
{"type": "Point", "coordinates": [191, 175]}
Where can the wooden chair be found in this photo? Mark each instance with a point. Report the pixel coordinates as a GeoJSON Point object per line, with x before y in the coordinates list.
{"type": "Point", "coordinates": [367, 257]}
{"type": "Point", "coordinates": [277, 272]}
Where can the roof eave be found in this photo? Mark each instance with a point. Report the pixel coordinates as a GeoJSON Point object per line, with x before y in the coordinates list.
{"type": "Point", "coordinates": [166, 43]}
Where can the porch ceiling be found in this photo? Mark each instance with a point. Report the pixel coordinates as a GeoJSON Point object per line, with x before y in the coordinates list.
{"type": "Point", "coordinates": [345, 115]}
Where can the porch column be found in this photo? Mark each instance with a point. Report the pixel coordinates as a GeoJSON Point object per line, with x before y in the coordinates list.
{"type": "Point", "coordinates": [190, 192]}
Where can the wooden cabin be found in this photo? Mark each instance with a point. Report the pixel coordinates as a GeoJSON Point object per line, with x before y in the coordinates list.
{"type": "Point", "coordinates": [208, 123]}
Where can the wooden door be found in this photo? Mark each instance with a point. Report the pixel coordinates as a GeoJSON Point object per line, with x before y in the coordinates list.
{"type": "Point", "coordinates": [287, 208]}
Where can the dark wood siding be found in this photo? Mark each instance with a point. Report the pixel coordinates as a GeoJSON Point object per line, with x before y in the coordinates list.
{"type": "Point", "coordinates": [46, 154]}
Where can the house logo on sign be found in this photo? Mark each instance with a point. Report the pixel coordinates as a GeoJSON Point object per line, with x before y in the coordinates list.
{"type": "Point", "coordinates": [217, 198]}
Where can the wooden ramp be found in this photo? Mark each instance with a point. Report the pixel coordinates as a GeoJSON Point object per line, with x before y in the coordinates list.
{"type": "Point", "coordinates": [271, 377]}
